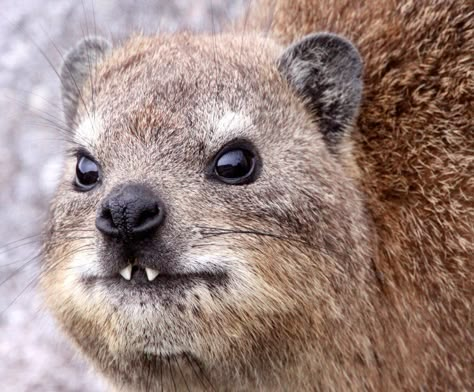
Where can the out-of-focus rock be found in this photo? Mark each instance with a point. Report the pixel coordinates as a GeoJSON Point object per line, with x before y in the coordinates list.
{"type": "Point", "coordinates": [34, 355]}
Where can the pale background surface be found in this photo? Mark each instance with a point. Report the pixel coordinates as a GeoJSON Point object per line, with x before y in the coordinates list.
{"type": "Point", "coordinates": [33, 355]}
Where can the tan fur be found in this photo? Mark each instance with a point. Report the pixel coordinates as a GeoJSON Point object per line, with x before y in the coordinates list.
{"type": "Point", "coordinates": [367, 281]}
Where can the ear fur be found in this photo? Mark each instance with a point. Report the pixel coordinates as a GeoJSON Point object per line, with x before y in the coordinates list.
{"type": "Point", "coordinates": [77, 67]}
{"type": "Point", "coordinates": [325, 70]}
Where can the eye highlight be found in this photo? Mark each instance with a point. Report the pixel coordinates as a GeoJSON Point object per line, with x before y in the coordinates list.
{"type": "Point", "coordinates": [87, 174]}
{"type": "Point", "coordinates": [235, 166]}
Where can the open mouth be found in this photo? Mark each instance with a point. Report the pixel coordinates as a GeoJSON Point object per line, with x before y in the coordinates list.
{"type": "Point", "coordinates": [145, 275]}
{"type": "Point", "coordinates": [140, 277]}
{"type": "Point", "coordinates": [129, 271]}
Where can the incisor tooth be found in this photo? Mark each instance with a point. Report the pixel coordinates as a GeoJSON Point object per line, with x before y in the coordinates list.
{"type": "Point", "coordinates": [151, 274]}
{"type": "Point", "coordinates": [127, 272]}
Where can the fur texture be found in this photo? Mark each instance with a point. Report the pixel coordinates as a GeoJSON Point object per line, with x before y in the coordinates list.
{"type": "Point", "coordinates": [346, 271]}
{"type": "Point", "coordinates": [415, 147]}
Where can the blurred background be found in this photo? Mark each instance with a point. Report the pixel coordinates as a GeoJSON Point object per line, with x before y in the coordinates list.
{"type": "Point", "coordinates": [33, 36]}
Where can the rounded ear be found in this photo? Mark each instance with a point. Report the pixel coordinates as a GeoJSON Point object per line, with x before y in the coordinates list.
{"type": "Point", "coordinates": [325, 70]}
{"type": "Point", "coordinates": [77, 68]}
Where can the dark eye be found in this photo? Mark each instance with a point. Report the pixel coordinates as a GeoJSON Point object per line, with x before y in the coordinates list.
{"type": "Point", "coordinates": [87, 174]}
{"type": "Point", "coordinates": [235, 166]}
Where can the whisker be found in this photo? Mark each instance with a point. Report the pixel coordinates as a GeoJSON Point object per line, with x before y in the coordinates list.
{"type": "Point", "coordinates": [8, 245]}
{"type": "Point", "coordinates": [56, 263]}
{"type": "Point", "coordinates": [271, 16]}
{"type": "Point", "coordinates": [94, 18]}
{"type": "Point", "coordinates": [210, 232]}
{"type": "Point", "coordinates": [194, 371]}
{"type": "Point", "coordinates": [171, 373]}
{"type": "Point", "coordinates": [30, 240]}
{"type": "Point", "coordinates": [33, 280]}
{"type": "Point", "coordinates": [19, 269]}
{"type": "Point", "coordinates": [206, 245]}
{"type": "Point", "coordinates": [182, 375]}
{"type": "Point", "coordinates": [44, 115]}
{"type": "Point", "coordinates": [19, 295]}
{"type": "Point", "coordinates": [214, 48]}
{"type": "Point", "coordinates": [204, 375]}
{"type": "Point", "coordinates": [161, 371]}
{"type": "Point", "coordinates": [88, 57]}
{"type": "Point", "coordinates": [47, 120]}
{"type": "Point", "coordinates": [215, 231]}
{"type": "Point", "coordinates": [76, 86]}
{"type": "Point", "coordinates": [72, 230]}
{"type": "Point", "coordinates": [149, 375]}
{"type": "Point", "coordinates": [53, 104]}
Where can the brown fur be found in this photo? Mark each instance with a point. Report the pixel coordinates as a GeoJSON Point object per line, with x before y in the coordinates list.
{"type": "Point", "coordinates": [366, 283]}
{"type": "Point", "coordinates": [415, 146]}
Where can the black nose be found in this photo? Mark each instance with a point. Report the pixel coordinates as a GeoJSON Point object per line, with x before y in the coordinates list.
{"type": "Point", "coordinates": [130, 212]}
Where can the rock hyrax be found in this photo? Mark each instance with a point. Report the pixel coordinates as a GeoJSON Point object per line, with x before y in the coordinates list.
{"type": "Point", "coordinates": [272, 211]}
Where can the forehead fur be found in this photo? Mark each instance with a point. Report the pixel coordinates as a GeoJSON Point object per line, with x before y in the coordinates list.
{"type": "Point", "coordinates": [168, 85]}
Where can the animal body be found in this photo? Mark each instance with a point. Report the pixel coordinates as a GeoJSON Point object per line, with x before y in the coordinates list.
{"type": "Point", "coordinates": [288, 205]}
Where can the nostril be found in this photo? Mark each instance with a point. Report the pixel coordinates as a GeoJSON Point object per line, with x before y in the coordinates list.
{"type": "Point", "coordinates": [106, 215]}
{"type": "Point", "coordinates": [105, 222]}
{"type": "Point", "coordinates": [148, 219]}
{"type": "Point", "coordinates": [147, 215]}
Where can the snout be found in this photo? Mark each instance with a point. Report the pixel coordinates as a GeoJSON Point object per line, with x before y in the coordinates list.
{"type": "Point", "coordinates": [130, 212]}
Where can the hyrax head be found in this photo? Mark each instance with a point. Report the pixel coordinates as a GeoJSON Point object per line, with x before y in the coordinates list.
{"type": "Point", "coordinates": [206, 215]}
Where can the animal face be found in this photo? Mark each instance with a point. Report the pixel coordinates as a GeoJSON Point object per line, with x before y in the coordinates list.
{"type": "Point", "coordinates": [205, 214]}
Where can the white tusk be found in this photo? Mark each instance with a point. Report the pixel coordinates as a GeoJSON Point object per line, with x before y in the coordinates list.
{"type": "Point", "coordinates": [151, 274]}
{"type": "Point", "coordinates": [127, 272]}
